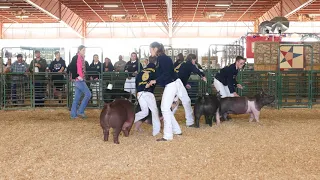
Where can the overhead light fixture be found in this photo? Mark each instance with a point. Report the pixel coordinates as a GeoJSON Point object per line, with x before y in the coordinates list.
{"type": "Point", "coordinates": [314, 15]}
{"type": "Point", "coordinates": [215, 14]}
{"type": "Point", "coordinates": [118, 15]}
{"type": "Point", "coordinates": [222, 5]}
{"type": "Point", "coordinates": [22, 16]}
{"type": "Point", "coordinates": [4, 7]}
{"type": "Point", "coordinates": [111, 6]}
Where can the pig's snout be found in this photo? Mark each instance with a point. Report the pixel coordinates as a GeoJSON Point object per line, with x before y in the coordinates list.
{"type": "Point", "coordinates": [272, 98]}
{"type": "Point", "coordinates": [268, 100]}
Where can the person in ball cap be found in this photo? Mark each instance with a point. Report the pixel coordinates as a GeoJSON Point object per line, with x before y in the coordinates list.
{"type": "Point", "coordinates": [146, 97]}
{"type": "Point", "coordinates": [18, 82]}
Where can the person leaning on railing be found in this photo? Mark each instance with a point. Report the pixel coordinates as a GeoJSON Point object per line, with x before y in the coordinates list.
{"type": "Point", "coordinates": [120, 65]}
{"type": "Point", "coordinates": [58, 65]}
{"type": "Point", "coordinates": [107, 65]}
{"type": "Point", "coordinates": [95, 71]}
{"type": "Point", "coordinates": [132, 67]}
{"type": "Point", "coordinates": [39, 65]}
{"type": "Point", "coordinates": [18, 79]}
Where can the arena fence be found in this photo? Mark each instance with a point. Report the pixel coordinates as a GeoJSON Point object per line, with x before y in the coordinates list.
{"type": "Point", "coordinates": [1, 91]}
{"type": "Point", "coordinates": [292, 89]}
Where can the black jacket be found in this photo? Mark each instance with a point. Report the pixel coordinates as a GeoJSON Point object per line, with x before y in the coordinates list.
{"type": "Point", "coordinates": [72, 68]}
{"type": "Point", "coordinates": [95, 70]}
{"type": "Point", "coordinates": [110, 67]}
{"type": "Point", "coordinates": [227, 76]}
{"type": "Point", "coordinates": [132, 67]}
{"type": "Point", "coordinates": [165, 71]}
{"type": "Point", "coordinates": [185, 70]}
{"type": "Point", "coordinates": [144, 76]}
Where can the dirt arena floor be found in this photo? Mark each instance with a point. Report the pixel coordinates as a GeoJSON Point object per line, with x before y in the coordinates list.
{"type": "Point", "coordinates": [46, 144]}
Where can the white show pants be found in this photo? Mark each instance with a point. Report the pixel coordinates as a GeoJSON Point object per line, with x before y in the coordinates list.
{"type": "Point", "coordinates": [176, 99]}
{"type": "Point", "coordinates": [171, 125]}
{"type": "Point", "coordinates": [224, 90]}
{"type": "Point", "coordinates": [130, 85]}
{"type": "Point", "coordinates": [182, 94]}
{"type": "Point", "coordinates": [148, 101]}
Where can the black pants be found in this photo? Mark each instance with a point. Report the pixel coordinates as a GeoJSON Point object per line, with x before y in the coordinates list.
{"type": "Point", "coordinates": [18, 92]}
{"type": "Point", "coordinates": [39, 93]}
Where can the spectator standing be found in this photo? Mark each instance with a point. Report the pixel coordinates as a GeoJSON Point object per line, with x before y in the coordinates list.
{"type": "Point", "coordinates": [77, 68]}
{"type": "Point", "coordinates": [38, 67]}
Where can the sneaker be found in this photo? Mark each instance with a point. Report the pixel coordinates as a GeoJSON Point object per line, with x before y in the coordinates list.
{"type": "Point", "coordinates": [83, 116]}
{"type": "Point", "coordinates": [73, 118]}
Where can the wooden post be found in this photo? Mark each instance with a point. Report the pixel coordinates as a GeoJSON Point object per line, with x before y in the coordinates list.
{"type": "Point", "coordinates": [256, 26]}
{"type": "Point", "coordinates": [84, 29]}
{"type": "Point", "coordinates": [1, 30]}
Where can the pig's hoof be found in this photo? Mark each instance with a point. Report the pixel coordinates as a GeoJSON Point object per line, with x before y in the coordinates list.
{"type": "Point", "coordinates": [117, 142]}
{"type": "Point", "coordinates": [162, 139]}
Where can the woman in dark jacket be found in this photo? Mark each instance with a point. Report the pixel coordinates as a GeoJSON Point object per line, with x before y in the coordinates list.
{"type": "Point", "coordinates": [95, 68]}
{"type": "Point", "coordinates": [77, 69]}
{"type": "Point", "coordinates": [132, 67]}
{"type": "Point", "coordinates": [107, 65]}
{"type": "Point", "coordinates": [179, 60]}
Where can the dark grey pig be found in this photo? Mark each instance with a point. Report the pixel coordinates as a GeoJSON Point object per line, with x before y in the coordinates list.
{"type": "Point", "coordinates": [206, 105]}
{"type": "Point", "coordinates": [245, 105]}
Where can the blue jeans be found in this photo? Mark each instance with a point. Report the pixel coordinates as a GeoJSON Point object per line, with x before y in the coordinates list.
{"type": "Point", "coordinates": [80, 88]}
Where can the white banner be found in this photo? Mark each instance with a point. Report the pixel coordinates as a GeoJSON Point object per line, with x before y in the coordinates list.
{"type": "Point", "coordinates": [185, 51]}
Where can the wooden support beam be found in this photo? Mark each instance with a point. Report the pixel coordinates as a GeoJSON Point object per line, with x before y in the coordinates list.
{"type": "Point", "coordinates": [256, 26]}
{"type": "Point", "coordinates": [61, 13]}
{"type": "Point", "coordinates": [284, 8]}
{"type": "Point", "coordinates": [1, 30]}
